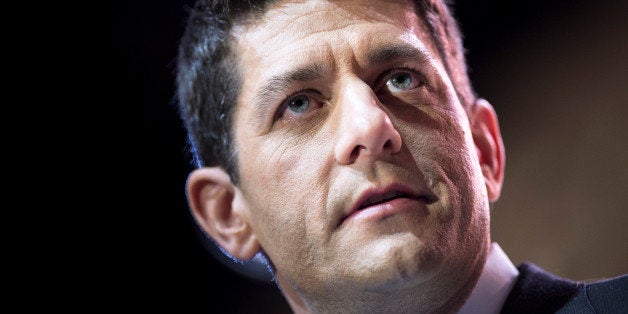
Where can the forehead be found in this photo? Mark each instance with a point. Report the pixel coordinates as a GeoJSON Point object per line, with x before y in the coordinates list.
{"type": "Point", "coordinates": [300, 28]}
{"type": "Point", "coordinates": [330, 36]}
{"type": "Point", "coordinates": [314, 16]}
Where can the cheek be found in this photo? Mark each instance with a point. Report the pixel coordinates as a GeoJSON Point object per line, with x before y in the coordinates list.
{"type": "Point", "coordinates": [436, 134]}
{"type": "Point", "coordinates": [292, 165]}
{"type": "Point", "coordinates": [268, 175]}
{"type": "Point", "coordinates": [441, 145]}
{"type": "Point", "coordinates": [283, 182]}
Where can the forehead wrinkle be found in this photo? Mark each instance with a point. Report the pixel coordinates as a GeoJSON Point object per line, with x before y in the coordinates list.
{"type": "Point", "coordinates": [295, 23]}
{"type": "Point", "coordinates": [336, 18]}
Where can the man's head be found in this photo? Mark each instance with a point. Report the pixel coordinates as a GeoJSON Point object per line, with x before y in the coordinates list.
{"type": "Point", "coordinates": [209, 80]}
{"type": "Point", "coordinates": [342, 139]}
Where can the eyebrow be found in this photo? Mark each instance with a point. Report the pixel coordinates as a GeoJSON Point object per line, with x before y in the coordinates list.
{"type": "Point", "coordinates": [387, 53]}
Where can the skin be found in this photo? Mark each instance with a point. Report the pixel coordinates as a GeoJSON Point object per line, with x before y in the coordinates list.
{"type": "Point", "coordinates": [370, 111]}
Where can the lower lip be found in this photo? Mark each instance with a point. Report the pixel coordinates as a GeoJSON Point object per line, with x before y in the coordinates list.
{"type": "Point", "coordinates": [386, 209]}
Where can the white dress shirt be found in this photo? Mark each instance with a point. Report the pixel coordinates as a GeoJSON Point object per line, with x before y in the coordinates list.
{"type": "Point", "coordinates": [496, 281]}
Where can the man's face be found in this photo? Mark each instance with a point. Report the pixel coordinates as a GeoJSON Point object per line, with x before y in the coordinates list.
{"type": "Point", "coordinates": [356, 160]}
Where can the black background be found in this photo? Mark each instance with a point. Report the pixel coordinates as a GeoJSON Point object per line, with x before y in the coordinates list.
{"type": "Point", "coordinates": [169, 268]}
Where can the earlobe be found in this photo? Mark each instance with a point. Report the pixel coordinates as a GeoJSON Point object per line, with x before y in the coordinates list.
{"type": "Point", "coordinates": [489, 146]}
{"type": "Point", "coordinates": [218, 207]}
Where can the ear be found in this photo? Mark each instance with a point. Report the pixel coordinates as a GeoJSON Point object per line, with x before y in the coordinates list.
{"type": "Point", "coordinates": [489, 146]}
{"type": "Point", "coordinates": [219, 208]}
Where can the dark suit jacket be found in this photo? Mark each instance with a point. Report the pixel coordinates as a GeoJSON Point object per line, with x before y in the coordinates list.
{"type": "Point", "coordinates": [537, 291]}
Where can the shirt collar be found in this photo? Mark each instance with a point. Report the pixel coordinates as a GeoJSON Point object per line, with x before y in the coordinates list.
{"type": "Point", "coordinates": [497, 279]}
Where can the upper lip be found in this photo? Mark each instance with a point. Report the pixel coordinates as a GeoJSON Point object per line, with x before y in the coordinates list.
{"type": "Point", "coordinates": [374, 195]}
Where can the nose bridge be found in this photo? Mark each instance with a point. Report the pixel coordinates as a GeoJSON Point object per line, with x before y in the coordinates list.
{"type": "Point", "coordinates": [364, 127]}
{"type": "Point", "coordinates": [358, 103]}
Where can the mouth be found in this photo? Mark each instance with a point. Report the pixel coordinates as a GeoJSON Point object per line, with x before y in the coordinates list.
{"type": "Point", "coordinates": [382, 202]}
{"type": "Point", "coordinates": [382, 198]}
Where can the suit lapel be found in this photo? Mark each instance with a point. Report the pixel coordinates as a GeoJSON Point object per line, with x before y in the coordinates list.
{"type": "Point", "coordinates": [537, 291]}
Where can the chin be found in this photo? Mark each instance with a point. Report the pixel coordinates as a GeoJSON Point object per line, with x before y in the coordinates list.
{"type": "Point", "coordinates": [394, 264]}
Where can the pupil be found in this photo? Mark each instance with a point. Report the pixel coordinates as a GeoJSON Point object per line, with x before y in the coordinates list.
{"type": "Point", "coordinates": [299, 104]}
{"type": "Point", "coordinates": [401, 80]}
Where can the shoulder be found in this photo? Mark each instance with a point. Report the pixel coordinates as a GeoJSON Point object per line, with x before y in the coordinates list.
{"type": "Point", "coordinates": [538, 291]}
{"type": "Point", "coordinates": [603, 296]}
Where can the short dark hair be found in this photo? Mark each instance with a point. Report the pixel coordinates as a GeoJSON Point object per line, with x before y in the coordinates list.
{"type": "Point", "coordinates": [208, 78]}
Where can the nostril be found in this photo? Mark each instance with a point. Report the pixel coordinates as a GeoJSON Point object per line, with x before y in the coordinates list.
{"type": "Point", "coordinates": [356, 152]}
{"type": "Point", "coordinates": [388, 144]}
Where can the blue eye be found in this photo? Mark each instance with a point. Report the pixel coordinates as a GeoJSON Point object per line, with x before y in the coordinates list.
{"type": "Point", "coordinates": [401, 81]}
{"type": "Point", "coordinates": [299, 104]}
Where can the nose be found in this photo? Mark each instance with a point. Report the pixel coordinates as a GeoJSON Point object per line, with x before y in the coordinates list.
{"type": "Point", "coordinates": [364, 128]}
